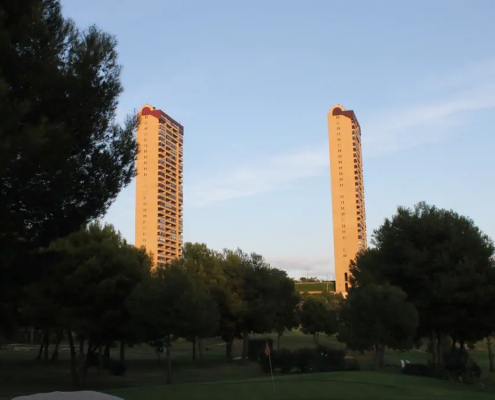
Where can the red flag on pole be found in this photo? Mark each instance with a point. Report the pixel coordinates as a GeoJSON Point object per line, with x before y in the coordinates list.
{"type": "Point", "coordinates": [267, 349]}
{"type": "Point", "coordinates": [267, 353]}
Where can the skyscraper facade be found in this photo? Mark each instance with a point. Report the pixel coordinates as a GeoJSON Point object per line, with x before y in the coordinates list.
{"type": "Point", "coordinates": [159, 183]}
{"type": "Point", "coordinates": [348, 208]}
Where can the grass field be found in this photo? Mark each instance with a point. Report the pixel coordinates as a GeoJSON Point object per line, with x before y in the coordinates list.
{"type": "Point", "coordinates": [328, 386]}
{"type": "Point", "coordinates": [315, 286]}
{"type": "Point", "coordinates": [145, 377]}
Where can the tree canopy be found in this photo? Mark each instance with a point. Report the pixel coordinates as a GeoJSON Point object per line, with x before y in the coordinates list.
{"type": "Point", "coordinates": [317, 315]}
{"type": "Point", "coordinates": [63, 156]}
{"type": "Point", "coordinates": [444, 264]}
{"type": "Point", "coordinates": [62, 160]}
{"type": "Point", "coordinates": [377, 316]}
{"type": "Point", "coordinates": [85, 289]}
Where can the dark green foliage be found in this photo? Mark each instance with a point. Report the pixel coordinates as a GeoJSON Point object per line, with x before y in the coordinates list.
{"type": "Point", "coordinates": [461, 366]}
{"type": "Point", "coordinates": [444, 264]}
{"type": "Point", "coordinates": [446, 345]}
{"type": "Point", "coordinates": [262, 297]}
{"type": "Point", "coordinates": [458, 366]}
{"type": "Point", "coordinates": [416, 369]}
{"type": "Point", "coordinates": [264, 362]}
{"type": "Point", "coordinates": [428, 370]}
{"type": "Point", "coordinates": [374, 317]}
{"type": "Point", "coordinates": [157, 345]}
{"type": "Point", "coordinates": [97, 272]}
{"type": "Point", "coordinates": [256, 348]}
{"type": "Point", "coordinates": [283, 360]}
{"type": "Point", "coordinates": [318, 315]}
{"type": "Point", "coordinates": [319, 359]}
{"type": "Point", "coordinates": [303, 359]}
{"type": "Point", "coordinates": [117, 367]}
{"type": "Point", "coordinates": [329, 359]}
{"type": "Point", "coordinates": [352, 365]}
{"type": "Point", "coordinates": [204, 296]}
{"type": "Point", "coordinates": [63, 157]}
{"type": "Point", "coordinates": [94, 272]}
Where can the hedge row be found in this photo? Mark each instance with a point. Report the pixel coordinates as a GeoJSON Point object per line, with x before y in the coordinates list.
{"type": "Point", "coordinates": [458, 366]}
{"type": "Point", "coordinates": [308, 360]}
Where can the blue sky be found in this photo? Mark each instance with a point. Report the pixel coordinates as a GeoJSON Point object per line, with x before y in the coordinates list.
{"type": "Point", "coordinates": [252, 82]}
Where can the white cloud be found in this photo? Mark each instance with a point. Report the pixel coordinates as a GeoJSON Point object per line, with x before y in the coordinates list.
{"type": "Point", "coordinates": [260, 177]}
{"type": "Point", "coordinates": [468, 76]}
{"type": "Point", "coordinates": [297, 267]}
{"type": "Point", "coordinates": [385, 132]}
{"type": "Point", "coordinates": [425, 123]}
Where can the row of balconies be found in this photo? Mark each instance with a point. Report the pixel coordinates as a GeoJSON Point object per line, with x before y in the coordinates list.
{"type": "Point", "coordinates": [167, 229]}
{"type": "Point", "coordinates": [167, 235]}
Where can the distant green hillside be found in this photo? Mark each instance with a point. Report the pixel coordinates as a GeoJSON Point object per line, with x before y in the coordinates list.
{"type": "Point", "coordinates": [315, 286]}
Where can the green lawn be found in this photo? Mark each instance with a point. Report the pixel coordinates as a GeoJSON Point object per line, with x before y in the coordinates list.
{"type": "Point", "coordinates": [315, 286]}
{"type": "Point", "coordinates": [337, 385]}
{"type": "Point", "coordinates": [145, 376]}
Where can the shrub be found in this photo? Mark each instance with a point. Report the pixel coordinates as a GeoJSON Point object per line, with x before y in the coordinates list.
{"type": "Point", "coordinates": [92, 359]}
{"type": "Point", "coordinates": [256, 347]}
{"type": "Point", "coordinates": [306, 360]}
{"type": "Point", "coordinates": [427, 370]}
{"type": "Point", "coordinates": [323, 359]}
{"type": "Point", "coordinates": [117, 367]}
{"type": "Point", "coordinates": [416, 369]}
{"type": "Point", "coordinates": [446, 345]}
{"type": "Point", "coordinates": [461, 367]}
{"type": "Point", "coordinates": [302, 359]}
{"type": "Point", "coordinates": [264, 361]}
{"type": "Point", "coordinates": [330, 359]}
{"type": "Point", "coordinates": [158, 346]}
{"type": "Point", "coordinates": [351, 365]}
{"type": "Point", "coordinates": [283, 360]}
{"type": "Point", "coordinates": [458, 366]}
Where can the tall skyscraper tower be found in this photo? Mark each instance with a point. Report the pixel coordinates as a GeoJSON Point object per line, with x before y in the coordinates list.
{"type": "Point", "coordinates": [159, 181]}
{"type": "Point", "coordinates": [346, 170]}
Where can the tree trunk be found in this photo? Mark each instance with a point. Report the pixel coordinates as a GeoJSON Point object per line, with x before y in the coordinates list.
{"type": "Point", "coordinates": [194, 348]}
{"type": "Point", "coordinates": [89, 354]}
{"type": "Point", "coordinates": [315, 338]}
{"type": "Point", "coordinates": [106, 353]}
{"type": "Point", "coordinates": [382, 357]}
{"type": "Point", "coordinates": [169, 363]}
{"type": "Point", "coordinates": [40, 352]}
{"type": "Point", "coordinates": [490, 354]}
{"type": "Point", "coordinates": [47, 344]}
{"type": "Point", "coordinates": [82, 362]}
{"type": "Point", "coordinates": [279, 336]}
{"type": "Point", "coordinates": [440, 349]}
{"type": "Point", "coordinates": [57, 346]}
{"type": "Point", "coordinates": [434, 348]}
{"type": "Point", "coordinates": [122, 351]}
{"type": "Point", "coordinates": [228, 348]}
{"type": "Point", "coordinates": [73, 361]}
{"type": "Point", "coordinates": [201, 353]}
{"type": "Point", "coordinates": [100, 358]}
{"type": "Point", "coordinates": [379, 356]}
{"type": "Point", "coordinates": [245, 346]}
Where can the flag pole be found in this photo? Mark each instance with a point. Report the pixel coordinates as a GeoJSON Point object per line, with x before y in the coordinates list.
{"type": "Point", "coordinates": [268, 353]}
